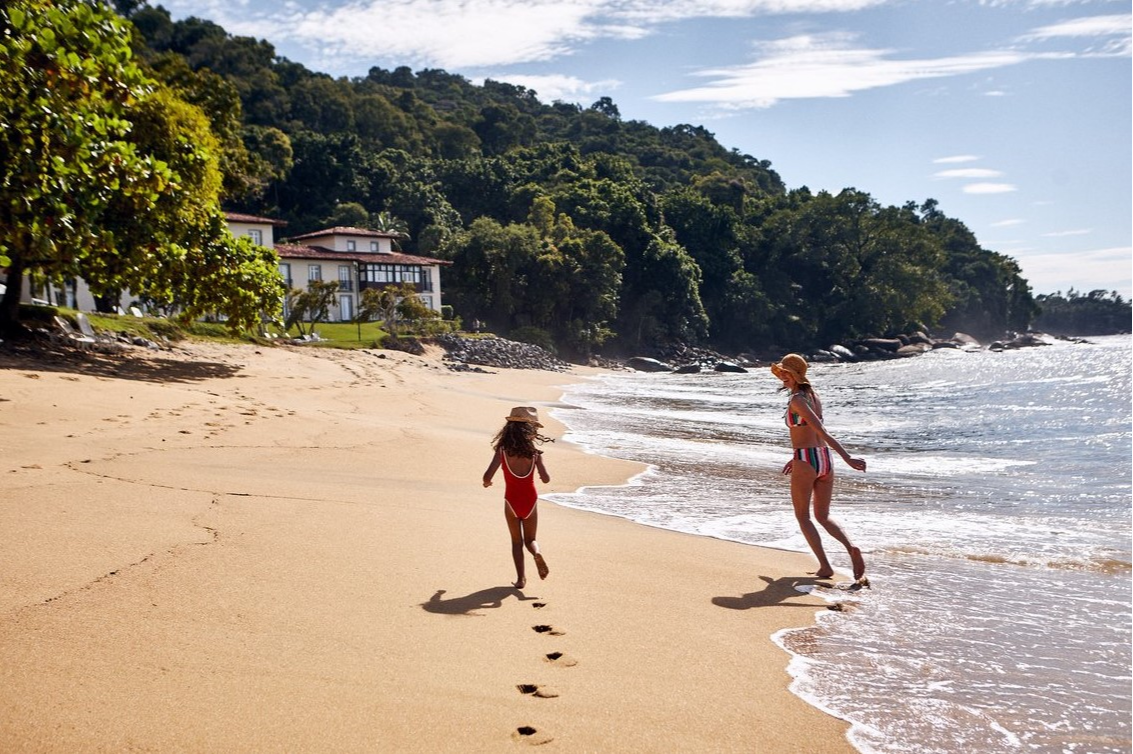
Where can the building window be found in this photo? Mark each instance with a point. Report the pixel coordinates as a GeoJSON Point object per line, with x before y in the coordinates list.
{"type": "Point", "coordinates": [345, 278]}
{"type": "Point", "coordinates": [285, 271]}
{"type": "Point", "coordinates": [378, 273]}
{"type": "Point", "coordinates": [257, 236]}
{"type": "Point", "coordinates": [346, 308]}
{"type": "Point", "coordinates": [373, 245]}
{"type": "Point", "coordinates": [351, 246]}
{"type": "Point", "coordinates": [314, 272]}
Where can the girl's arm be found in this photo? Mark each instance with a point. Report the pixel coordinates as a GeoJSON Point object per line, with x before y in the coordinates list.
{"type": "Point", "coordinates": [803, 408]}
{"type": "Point", "coordinates": [491, 470]}
{"type": "Point", "coordinates": [542, 469]}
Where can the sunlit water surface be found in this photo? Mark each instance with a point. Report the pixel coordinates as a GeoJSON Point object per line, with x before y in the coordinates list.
{"type": "Point", "coordinates": [995, 517]}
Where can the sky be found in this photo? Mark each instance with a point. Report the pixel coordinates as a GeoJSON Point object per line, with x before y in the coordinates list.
{"type": "Point", "coordinates": [1016, 116]}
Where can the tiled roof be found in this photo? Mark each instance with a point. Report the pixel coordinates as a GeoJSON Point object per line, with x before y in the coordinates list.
{"type": "Point", "coordinates": [297, 251]}
{"type": "Point", "coordinates": [342, 230]}
{"type": "Point", "coordinates": [238, 217]}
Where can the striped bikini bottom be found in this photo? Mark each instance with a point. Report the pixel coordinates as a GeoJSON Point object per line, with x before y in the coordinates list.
{"type": "Point", "coordinates": [818, 458]}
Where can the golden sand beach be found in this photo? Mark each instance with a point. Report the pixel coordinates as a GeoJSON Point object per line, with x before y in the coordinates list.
{"type": "Point", "coordinates": [244, 549]}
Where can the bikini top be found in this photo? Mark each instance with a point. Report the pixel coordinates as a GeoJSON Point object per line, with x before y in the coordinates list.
{"type": "Point", "coordinates": [791, 418]}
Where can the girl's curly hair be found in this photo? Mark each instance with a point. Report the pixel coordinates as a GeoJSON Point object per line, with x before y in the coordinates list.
{"type": "Point", "coordinates": [518, 439]}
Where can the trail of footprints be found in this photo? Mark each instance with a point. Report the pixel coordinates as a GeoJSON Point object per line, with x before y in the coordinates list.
{"type": "Point", "coordinates": [526, 733]}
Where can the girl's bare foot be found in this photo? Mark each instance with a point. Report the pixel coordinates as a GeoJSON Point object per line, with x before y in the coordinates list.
{"type": "Point", "coordinates": [542, 566]}
{"type": "Point", "coordinates": [520, 583]}
{"type": "Point", "coordinates": [825, 573]}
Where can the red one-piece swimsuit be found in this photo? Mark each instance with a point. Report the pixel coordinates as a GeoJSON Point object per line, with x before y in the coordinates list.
{"type": "Point", "coordinates": [520, 493]}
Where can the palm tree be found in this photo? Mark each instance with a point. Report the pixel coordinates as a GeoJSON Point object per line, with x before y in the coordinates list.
{"type": "Point", "coordinates": [387, 223]}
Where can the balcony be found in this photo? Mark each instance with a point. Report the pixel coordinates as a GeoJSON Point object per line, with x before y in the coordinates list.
{"type": "Point", "coordinates": [426, 287]}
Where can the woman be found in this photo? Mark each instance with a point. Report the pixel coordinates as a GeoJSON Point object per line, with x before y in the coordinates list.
{"type": "Point", "coordinates": [811, 470]}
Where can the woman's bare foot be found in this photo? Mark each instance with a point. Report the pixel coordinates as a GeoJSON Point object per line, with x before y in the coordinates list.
{"type": "Point", "coordinates": [542, 566]}
{"type": "Point", "coordinates": [824, 573]}
{"type": "Point", "coordinates": [520, 583]}
{"type": "Point", "coordinates": [858, 563]}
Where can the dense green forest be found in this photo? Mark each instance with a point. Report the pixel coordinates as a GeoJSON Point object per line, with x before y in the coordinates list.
{"type": "Point", "coordinates": [1095, 313]}
{"type": "Point", "coordinates": [568, 224]}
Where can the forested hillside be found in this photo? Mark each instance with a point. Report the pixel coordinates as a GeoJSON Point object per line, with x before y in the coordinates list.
{"type": "Point", "coordinates": [570, 222]}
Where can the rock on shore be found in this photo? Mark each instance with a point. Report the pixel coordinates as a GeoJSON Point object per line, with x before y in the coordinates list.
{"type": "Point", "coordinates": [462, 353]}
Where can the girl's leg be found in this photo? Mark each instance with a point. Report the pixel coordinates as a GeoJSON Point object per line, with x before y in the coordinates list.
{"type": "Point", "coordinates": [530, 529]}
{"type": "Point", "coordinates": [823, 492]}
{"type": "Point", "coordinates": [514, 528]}
{"type": "Point", "coordinates": [802, 487]}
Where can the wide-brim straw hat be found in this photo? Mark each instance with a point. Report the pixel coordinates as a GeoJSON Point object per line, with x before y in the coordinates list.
{"type": "Point", "coordinates": [791, 364]}
{"type": "Point", "coordinates": [527, 414]}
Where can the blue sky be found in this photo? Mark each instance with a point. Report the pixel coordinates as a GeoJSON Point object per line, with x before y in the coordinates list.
{"type": "Point", "coordinates": [1015, 115]}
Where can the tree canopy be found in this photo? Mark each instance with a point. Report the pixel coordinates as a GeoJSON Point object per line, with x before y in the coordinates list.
{"type": "Point", "coordinates": [106, 174]}
{"type": "Point", "coordinates": [600, 231]}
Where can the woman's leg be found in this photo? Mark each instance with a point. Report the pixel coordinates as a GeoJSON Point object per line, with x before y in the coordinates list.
{"type": "Point", "coordinates": [514, 528]}
{"type": "Point", "coordinates": [823, 493]}
{"type": "Point", "coordinates": [802, 487]}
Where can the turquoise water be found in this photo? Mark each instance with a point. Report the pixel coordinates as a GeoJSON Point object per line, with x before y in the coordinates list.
{"type": "Point", "coordinates": [995, 518]}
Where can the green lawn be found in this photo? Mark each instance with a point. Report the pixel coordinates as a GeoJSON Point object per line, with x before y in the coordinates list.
{"type": "Point", "coordinates": [331, 334]}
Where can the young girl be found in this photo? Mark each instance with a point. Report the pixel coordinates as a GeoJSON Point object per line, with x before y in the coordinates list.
{"type": "Point", "coordinates": [515, 451]}
{"type": "Point", "coordinates": [812, 473]}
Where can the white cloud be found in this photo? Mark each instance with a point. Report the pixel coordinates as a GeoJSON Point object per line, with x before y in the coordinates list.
{"type": "Point", "coordinates": [955, 159]}
{"type": "Point", "coordinates": [1090, 26]}
{"type": "Point", "coordinates": [1065, 233]}
{"type": "Point", "coordinates": [455, 34]}
{"type": "Point", "coordinates": [1113, 34]}
{"type": "Point", "coordinates": [563, 88]}
{"type": "Point", "coordinates": [1098, 269]}
{"type": "Point", "coordinates": [1008, 223]}
{"type": "Point", "coordinates": [989, 188]}
{"type": "Point", "coordinates": [969, 173]}
{"type": "Point", "coordinates": [824, 65]}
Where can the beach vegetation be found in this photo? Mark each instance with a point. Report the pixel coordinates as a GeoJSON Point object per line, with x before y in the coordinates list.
{"type": "Point", "coordinates": [607, 234]}
{"type": "Point", "coordinates": [307, 308]}
{"type": "Point", "coordinates": [107, 175]}
{"type": "Point", "coordinates": [1098, 312]}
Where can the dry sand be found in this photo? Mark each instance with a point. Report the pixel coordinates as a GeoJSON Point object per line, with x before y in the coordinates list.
{"type": "Point", "coordinates": [241, 549]}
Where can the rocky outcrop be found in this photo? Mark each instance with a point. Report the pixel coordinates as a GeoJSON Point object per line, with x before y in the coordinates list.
{"type": "Point", "coordinates": [916, 343]}
{"type": "Point", "coordinates": [648, 364]}
{"type": "Point", "coordinates": [690, 360]}
{"type": "Point", "coordinates": [461, 353]}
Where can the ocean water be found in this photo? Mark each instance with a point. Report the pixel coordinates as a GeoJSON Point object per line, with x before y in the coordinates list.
{"type": "Point", "coordinates": [994, 518]}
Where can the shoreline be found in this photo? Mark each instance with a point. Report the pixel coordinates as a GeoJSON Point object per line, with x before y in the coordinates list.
{"type": "Point", "coordinates": [259, 549]}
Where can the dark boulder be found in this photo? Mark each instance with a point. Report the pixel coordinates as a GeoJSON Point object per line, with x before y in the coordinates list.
{"type": "Point", "coordinates": [646, 364]}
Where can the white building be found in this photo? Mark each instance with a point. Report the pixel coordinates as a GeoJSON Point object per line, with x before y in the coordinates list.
{"type": "Point", "coordinates": [357, 259]}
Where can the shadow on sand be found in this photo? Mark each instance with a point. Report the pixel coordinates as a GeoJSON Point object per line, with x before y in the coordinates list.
{"type": "Point", "coordinates": [470, 603]}
{"type": "Point", "coordinates": [126, 366]}
{"type": "Point", "coordinates": [777, 592]}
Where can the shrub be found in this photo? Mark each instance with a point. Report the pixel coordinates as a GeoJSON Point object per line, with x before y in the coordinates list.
{"type": "Point", "coordinates": [536, 336]}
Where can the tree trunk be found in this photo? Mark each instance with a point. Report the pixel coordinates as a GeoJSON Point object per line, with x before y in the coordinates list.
{"type": "Point", "coordinates": [10, 304]}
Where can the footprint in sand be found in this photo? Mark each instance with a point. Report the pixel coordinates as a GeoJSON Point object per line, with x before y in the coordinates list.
{"type": "Point", "coordinates": [528, 735]}
{"type": "Point", "coordinates": [543, 692]}
{"type": "Point", "coordinates": [558, 658]}
{"type": "Point", "coordinates": [538, 605]}
{"type": "Point", "coordinates": [548, 630]}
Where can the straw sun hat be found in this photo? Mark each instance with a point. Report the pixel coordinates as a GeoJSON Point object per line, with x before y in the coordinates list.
{"type": "Point", "coordinates": [524, 414]}
{"type": "Point", "coordinates": [791, 364]}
